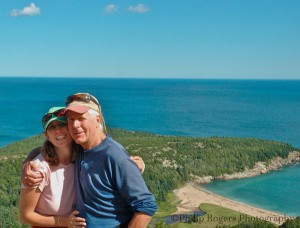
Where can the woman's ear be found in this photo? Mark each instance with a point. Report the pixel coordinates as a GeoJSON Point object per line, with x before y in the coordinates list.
{"type": "Point", "coordinates": [46, 135]}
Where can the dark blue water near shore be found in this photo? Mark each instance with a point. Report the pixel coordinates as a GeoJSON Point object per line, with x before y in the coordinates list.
{"type": "Point", "coordinates": [267, 109]}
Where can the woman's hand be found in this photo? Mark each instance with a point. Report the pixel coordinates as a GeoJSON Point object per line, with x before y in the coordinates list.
{"type": "Point", "coordinates": [72, 221]}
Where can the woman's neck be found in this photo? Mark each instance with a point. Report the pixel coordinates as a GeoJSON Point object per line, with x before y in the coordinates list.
{"type": "Point", "coordinates": [64, 155]}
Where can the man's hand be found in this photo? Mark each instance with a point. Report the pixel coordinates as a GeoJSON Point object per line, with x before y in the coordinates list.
{"type": "Point", "coordinates": [140, 163]}
{"type": "Point", "coordinates": [31, 177]}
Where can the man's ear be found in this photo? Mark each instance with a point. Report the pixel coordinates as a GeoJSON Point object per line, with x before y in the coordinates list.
{"type": "Point", "coordinates": [98, 120]}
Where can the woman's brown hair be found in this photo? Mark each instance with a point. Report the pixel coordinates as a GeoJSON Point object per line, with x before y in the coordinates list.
{"type": "Point", "coordinates": [49, 154]}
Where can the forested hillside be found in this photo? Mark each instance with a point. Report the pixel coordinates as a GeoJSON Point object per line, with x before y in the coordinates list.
{"type": "Point", "coordinates": [170, 161]}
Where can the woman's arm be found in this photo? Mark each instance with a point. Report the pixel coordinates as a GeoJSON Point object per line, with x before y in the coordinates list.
{"type": "Point", "coordinates": [29, 200]}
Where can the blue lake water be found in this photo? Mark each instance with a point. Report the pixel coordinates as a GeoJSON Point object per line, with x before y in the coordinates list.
{"type": "Point", "coordinates": [267, 109]}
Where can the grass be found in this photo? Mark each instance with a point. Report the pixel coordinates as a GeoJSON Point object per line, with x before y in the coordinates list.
{"type": "Point", "coordinates": [219, 216]}
{"type": "Point", "coordinates": [168, 207]}
{"type": "Point", "coordinates": [216, 216]}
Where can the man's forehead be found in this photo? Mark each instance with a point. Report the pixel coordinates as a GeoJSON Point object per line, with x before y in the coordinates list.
{"type": "Point", "coordinates": [72, 113]}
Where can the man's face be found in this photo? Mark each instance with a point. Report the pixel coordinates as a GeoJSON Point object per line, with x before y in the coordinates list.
{"type": "Point", "coordinates": [83, 128]}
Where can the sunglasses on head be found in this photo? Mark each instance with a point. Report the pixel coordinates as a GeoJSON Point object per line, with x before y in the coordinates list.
{"type": "Point", "coordinates": [85, 97]}
{"type": "Point", "coordinates": [48, 116]}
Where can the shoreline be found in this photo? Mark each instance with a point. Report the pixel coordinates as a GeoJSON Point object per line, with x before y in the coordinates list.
{"type": "Point", "coordinates": [192, 196]}
{"type": "Point", "coordinates": [258, 169]}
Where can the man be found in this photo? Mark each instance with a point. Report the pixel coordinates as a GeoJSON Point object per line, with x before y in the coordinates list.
{"type": "Point", "coordinates": [110, 189]}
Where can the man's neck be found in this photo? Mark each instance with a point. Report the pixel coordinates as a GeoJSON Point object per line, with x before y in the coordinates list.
{"type": "Point", "coordinates": [93, 143]}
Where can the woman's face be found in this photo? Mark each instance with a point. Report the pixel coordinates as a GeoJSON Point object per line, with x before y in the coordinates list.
{"type": "Point", "coordinates": [57, 133]}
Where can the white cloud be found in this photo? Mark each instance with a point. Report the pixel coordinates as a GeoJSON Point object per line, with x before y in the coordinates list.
{"type": "Point", "coordinates": [30, 10]}
{"type": "Point", "coordinates": [139, 8]}
{"type": "Point", "coordinates": [111, 8]}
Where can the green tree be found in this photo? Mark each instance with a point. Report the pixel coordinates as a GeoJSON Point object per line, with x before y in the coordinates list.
{"type": "Point", "coordinates": [291, 223]}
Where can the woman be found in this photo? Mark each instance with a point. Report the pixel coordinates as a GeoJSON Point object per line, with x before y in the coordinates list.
{"type": "Point", "coordinates": [52, 202]}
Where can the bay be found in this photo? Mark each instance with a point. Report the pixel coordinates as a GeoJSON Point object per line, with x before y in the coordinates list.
{"type": "Point", "coordinates": [277, 191]}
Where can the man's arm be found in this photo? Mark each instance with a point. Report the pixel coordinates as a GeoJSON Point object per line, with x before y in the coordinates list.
{"type": "Point", "coordinates": [139, 220]}
{"type": "Point", "coordinates": [135, 192]}
{"type": "Point", "coordinates": [35, 152]}
{"type": "Point", "coordinates": [30, 176]}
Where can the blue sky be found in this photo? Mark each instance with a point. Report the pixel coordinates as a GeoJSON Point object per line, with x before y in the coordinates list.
{"type": "Point", "coordinates": [157, 38]}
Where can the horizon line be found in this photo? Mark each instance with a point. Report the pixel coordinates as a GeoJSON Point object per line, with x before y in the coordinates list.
{"type": "Point", "coordinates": [172, 78]}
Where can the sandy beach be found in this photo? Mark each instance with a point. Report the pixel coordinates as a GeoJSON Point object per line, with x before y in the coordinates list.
{"type": "Point", "coordinates": [191, 197]}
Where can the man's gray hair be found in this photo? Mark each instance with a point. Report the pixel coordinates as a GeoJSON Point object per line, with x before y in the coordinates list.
{"type": "Point", "coordinates": [95, 113]}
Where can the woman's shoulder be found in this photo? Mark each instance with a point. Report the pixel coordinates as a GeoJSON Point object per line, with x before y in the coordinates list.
{"type": "Point", "coordinates": [43, 164]}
